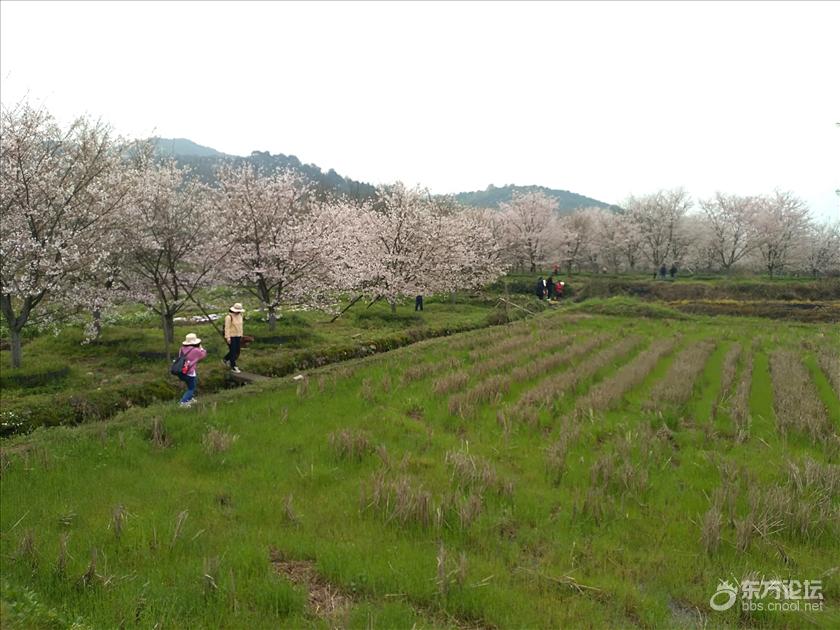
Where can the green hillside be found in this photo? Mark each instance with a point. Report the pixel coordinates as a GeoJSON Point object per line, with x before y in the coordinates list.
{"type": "Point", "coordinates": [566, 201]}
{"type": "Point", "coordinates": [204, 161]}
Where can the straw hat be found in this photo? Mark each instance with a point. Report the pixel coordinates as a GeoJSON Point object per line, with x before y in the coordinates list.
{"type": "Point", "coordinates": [191, 340]}
{"type": "Point", "coordinates": [237, 308]}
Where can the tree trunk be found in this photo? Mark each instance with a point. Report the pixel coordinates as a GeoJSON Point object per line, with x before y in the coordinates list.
{"type": "Point", "coordinates": [16, 338]}
{"type": "Point", "coordinates": [97, 323]}
{"type": "Point", "coordinates": [272, 317]}
{"type": "Point", "coordinates": [168, 333]}
{"type": "Point", "coordinates": [16, 324]}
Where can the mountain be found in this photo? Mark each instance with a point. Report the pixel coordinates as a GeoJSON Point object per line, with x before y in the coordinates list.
{"type": "Point", "coordinates": [204, 160]}
{"type": "Point", "coordinates": [567, 202]}
{"type": "Point", "coordinates": [176, 147]}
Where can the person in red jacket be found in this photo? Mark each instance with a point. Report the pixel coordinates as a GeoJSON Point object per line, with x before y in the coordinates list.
{"type": "Point", "coordinates": [192, 350]}
{"type": "Point", "coordinates": [559, 289]}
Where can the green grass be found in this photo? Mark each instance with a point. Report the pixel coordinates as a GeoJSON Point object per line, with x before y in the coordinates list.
{"type": "Point", "coordinates": [64, 381]}
{"type": "Point", "coordinates": [619, 550]}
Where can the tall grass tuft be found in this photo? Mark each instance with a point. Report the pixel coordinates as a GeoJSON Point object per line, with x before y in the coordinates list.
{"type": "Point", "coordinates": [555, 460]}
{"type": "Point", "coordinates": [829, 360]}
{"type": "Point", "coordinates": [796, 399]}
{"type": "Point", "coordinates": [289, 514]}
{"type": "Point", "coordinates": [728, 372]}
{"type": "Point", "coordinates": [711, 530]}
{"type": "Point", "coordinates": [61, 558]}
{"type": "Point", "coordinates": [678, 384]}
{"type": "Point", "coordinates": [210, 576]}
{"type": "Point", "coordinates": [739, 406]}
{"type": "Point", "coordinates": [26, 551]}
{"type": "Point", "coordinates": [470, 472]}
{"type": "Point", "coordinates": [118, 515]}
{"type": "Point", "coordinates": [158, 435]}
{"type": "Point", "coordinates": [90, 577]}
{"type": "Point", "coordinates": [216, 441]}
{"type": "Point", "coordinates": [179, 527]}
{"type": "Point", "coordinates": [450, 383]}
{"type": "Point", "coordinates": [350, 444]}
{"type": "Point", "coordinates": [467, 403]}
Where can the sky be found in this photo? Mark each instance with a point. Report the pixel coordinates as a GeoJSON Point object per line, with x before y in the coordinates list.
{"type": "Point", "coordinates": [603, 99]}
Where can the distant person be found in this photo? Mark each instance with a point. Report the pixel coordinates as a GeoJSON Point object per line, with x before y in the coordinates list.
{"type": "Point", "coordinates": [233, 336]}
{"type": "Point", "coordinates": [549, 287]}
{"type": "Point", "coordinates": [556, 270]}
{"type": "Point", "coordinates": [663, 271]}
{"type": "Point", "coordinates": [193, 352]}
{"type": "Point", "coordinates": [418, 303]}
{"type": "Point", "coordinates": [673, 271]}
{"type": "Point", "coordinates": [540, 290]}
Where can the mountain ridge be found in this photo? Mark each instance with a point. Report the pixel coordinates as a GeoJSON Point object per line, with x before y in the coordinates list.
{"type": "Point", "coordinates": [203, 161]}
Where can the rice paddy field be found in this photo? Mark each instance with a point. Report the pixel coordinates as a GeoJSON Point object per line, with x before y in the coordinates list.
{"type": "Point", "coordinates": [575, 469]}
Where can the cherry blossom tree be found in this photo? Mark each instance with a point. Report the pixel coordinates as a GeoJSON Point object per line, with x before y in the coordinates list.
{"type": "Point", "coordinates": [60, 191]}
{"type": "Point", "coordinates": [408, 243]}
{"type": "Point", "coordinates": [782, 221]}
{"type": "Point", "coordinates": [470, 249]}
{"type": "Point", "coordinates": [176, 240]}
{"type": "Point", "coordinates": [731, 221]}
{"type": "Point", "coordinates": [531, 218]}
{"type": "Point", "coordinates": [657, 217]}
{"type": "Point", "coordinates": [575, 235]}
{"type": "Point", "coordinates": [822, 246]}
{"type": "Point", "coordinates": [399, 242]}
{"type": "Point", "coordinates": [285, 244]}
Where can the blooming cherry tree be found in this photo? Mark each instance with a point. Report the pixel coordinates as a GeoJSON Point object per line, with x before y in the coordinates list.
{"type": "Point", "coordinates": [61, 190]}
{"type": "Point", "coordinates": [658, 218]}
{"type": "Point", "coordinates": [174, 237]}
{"type": "Point", "coordinates": [284, 243]}
{"type": "Point", "coordinates": [531, 219]}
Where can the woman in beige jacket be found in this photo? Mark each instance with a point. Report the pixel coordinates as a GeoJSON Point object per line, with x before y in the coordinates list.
{"type": "Point", "coordinates": [233, 335]}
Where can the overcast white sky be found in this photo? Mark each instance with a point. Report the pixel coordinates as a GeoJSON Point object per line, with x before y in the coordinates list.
{"type": "Point", "coordinates": [604, 99]}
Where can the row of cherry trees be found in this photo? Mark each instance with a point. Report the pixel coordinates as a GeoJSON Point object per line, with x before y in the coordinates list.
{"type": "Point", "coordinates": [772, 233]}
{"type": "Point", "coordinates": [89, 221]}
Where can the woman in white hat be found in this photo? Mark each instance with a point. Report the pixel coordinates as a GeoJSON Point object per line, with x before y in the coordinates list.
{"type": "Point", "coordinates": [192, 350]}
{"type": "Point", "coordinates": [233, 335]}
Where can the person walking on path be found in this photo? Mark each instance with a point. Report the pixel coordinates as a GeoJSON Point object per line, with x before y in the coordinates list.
{"type": "Point", "coordinates": [418, 303]}
{"type": "Point", "coordinates": [663, 271]}
{"type": "Point", "coordinates": [549, 287]}
{"type": "Point", "coordinates": [193, 352]}
{"type": "Point", "coordinates": [233, 335]}
{"type": "Point", "coordinates": [673, 271]}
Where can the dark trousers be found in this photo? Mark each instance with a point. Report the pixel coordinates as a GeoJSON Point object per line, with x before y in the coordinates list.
{"type": "Point", "coordinates": [418, 303]}
{"type": "Point", "coordinates": [233, 351]}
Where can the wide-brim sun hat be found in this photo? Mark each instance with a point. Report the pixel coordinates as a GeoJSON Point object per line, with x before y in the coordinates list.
{"type": "Point", "coordinates": [190, 340]}
{"type": "Point", "coordinates": [237, 308]}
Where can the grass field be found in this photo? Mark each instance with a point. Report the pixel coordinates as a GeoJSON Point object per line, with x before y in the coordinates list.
{"type": "Point", "coordinates": [576, 469]}
{"type": "Point", "coordinates": [64, 381]}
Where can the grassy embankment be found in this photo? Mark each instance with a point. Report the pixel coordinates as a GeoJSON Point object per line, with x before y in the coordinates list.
{"type": "Point", "coordinates": [66, 382]}
{"type": "Point", "coordinates": [570, 470]}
